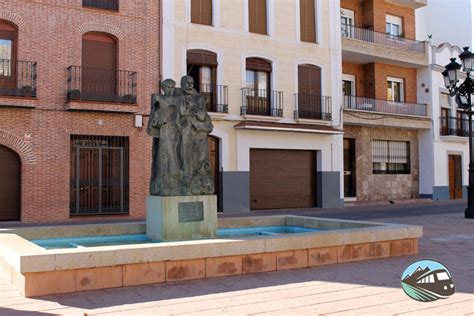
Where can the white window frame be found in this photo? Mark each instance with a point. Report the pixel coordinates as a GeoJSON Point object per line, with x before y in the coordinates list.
{"type": "Point", "coordinates": [270, 17]}
{"type": "Point", "coordinates": [350, 15]}
{"type": "Point", "coordinates": [402, 88]}
{"type": "Point", "coordinates": [450, 103]}
{"type": "Point", "coordinates": [317, 24]}
{"type": "Point", "coordinates": [394, 20]}
{"type": "Point", "coordinates": [352, 79]}
{"type": "Point", "coordinates": [216, 19]}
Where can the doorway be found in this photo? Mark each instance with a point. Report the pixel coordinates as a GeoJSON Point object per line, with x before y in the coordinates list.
{"type": "Point", "coordinates": [455, 177]}
{"type": "Point", "coordinates": [349, 168]}
{"type": "Point", "coordinates": [10, 175]}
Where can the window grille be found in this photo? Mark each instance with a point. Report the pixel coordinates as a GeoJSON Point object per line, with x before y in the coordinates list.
{"type": "Point", "coordinates": [390, 157]}
{"type": "Point", "coordinates": [99, 175]}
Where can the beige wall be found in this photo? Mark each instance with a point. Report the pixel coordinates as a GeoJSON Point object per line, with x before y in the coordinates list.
{"type": "Point", "coordinates": [230, 40]}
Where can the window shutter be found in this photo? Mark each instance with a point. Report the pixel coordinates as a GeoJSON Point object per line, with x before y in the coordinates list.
{"type": "Point", "coordinates": [201, 58]}
{"type": "Point", "coordinates": [258, 16]}
{"type": "Point", "coordinates": [201, 12]}
{"type": "Point", "coordinates": [258, 64]}
{"type": "Point", "coordinates": [307, 21]}
{"type": "Point", "coordinates": [309, 79]}
{"type": "Point", "coordinates": [98, 51]}
{"type": "Point", "coordinates": [195, 11]}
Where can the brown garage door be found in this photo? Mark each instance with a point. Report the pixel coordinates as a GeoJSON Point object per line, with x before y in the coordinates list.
{"type": "Point", "coordinates": [282, 178]}
{"type": "Point", "coordinates": [9, 185]}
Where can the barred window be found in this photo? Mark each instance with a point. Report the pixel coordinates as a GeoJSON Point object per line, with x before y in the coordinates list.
{"type": "Point", "coordinates": [390, 157]}
{"type": "Point", "coordinates": [99, 175]}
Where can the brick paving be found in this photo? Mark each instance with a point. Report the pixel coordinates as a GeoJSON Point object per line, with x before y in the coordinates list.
{"type": "Point", "coordinates": [367, 287]}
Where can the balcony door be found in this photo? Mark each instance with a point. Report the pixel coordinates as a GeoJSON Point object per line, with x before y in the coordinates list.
{"type": "Point", "coordinates": [258, 86]}
{"type": "Point", "coordinates": [348, 90]}
{"type": "Point", "coordinates": [7, 57]}
{"type": "Point", "coordinates": [347, 23]}
{"type": "Point", "coordinates": [98, 67]}
{"type": "Point", "coordinates": [395, 90]}
{"type": "Point", "coordinates": [309, 92]}
{"type": "Point", "coordinates": [202, 66]}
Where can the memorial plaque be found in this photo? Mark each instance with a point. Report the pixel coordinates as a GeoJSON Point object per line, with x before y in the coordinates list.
{"type": "Point", "coordinates": [190, 211]}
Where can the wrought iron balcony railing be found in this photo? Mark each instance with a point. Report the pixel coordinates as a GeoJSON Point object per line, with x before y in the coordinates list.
{"type": "Point", "coordinates": [104, 85]}
{"type": "Point", "coordinates": [384, 106]}
{"type": "Point", "coordinates": [261, 102]}
{"type": "Point", "coordinates": [454, 126]}
{"type": "Point", "coordinates": [217, 97]}
{"type": "Point", "coordinates": [312, 106]}
{"type": "Point", "coordinates": [102, 4]}
{"type": "Point", "coordinates": [395, 41]}
{"type": "Point", "coordinates": [17, 78]}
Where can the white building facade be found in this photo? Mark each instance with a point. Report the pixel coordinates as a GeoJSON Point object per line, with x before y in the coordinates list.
{"type": "Point", "coordinates": [444, 152]}
{"type": "Point", "coordinates": [272, 73]}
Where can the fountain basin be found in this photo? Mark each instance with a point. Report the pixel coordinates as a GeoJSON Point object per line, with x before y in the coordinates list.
{"type": "Point", "coordinates": [36, 271]}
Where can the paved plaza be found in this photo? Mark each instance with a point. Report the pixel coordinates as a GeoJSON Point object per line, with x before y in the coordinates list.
{"type": "Point", "coordinates": [367, 287]}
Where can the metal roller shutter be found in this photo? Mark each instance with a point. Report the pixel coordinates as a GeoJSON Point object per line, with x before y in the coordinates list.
{"type": "Point", "coordinates": [282, 178]}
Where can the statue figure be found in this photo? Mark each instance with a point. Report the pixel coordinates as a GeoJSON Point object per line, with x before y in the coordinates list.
{"type": "Point", "coordinates": [163, 126]}
{"type": "Point", "coordinates": [195, 125]}
{"type": "Point", "coordinates": [180, 124]}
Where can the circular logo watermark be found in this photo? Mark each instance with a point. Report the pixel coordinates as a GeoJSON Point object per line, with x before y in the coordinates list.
{"type": "Point", "coordinates": [427, 280]}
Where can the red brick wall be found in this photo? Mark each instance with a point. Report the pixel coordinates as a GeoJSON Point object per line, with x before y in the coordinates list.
{"type": "Point", "coordinates": [358, 71]}
{"type": "Point", "coordinates": [50, 33]}
{"type": "Point", "coordinates": [371, 79]}
{"type": "Point", "coordinates": [371, 14]}
{"type": "Point", "coordinates": [357, 7]}
{"type": "Point", "coordinates": [382, 71]}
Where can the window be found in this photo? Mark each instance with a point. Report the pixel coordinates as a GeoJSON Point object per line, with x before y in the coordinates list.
{"type": "Point", "coordinates": [390, 157]}
{"type": "Point", "coordinates": [202, 66]}
{"type": "Point", "coordinates": [257, 83]}
{"type": "Point", "coordinates": [7, 54]}
{"type": "Point", "coordinates": [99, 175]}
{"type": "Point", "coordinates": [348, 90]}
{"type": "Point", "coordinates": [102, 4]}
{"type": "Point", "coordinates": [307, 21]}
{"type": "Point", "coordinates": [201, 12]}
{"type": "Point", "coordinates": [347, 23]}
{"type": "Point", "coordinates": [395, 91]}
{"type": "Point", "coordinates": [442, 276]}
{"type": "Point", "coordinates": [445, 121]}
{"type": "Point", "coordinates": [98, 67]}
{"type": "Point", "coordinates": [310, 103]}
{"type": "Point", "coordinates": [444, 100]}
{"type": "Point", "coordinates": [393, 26]}
{"type": "Point", "coordinates": [462, 123]}
{"type": "Point", "coordinates": [258, 16]}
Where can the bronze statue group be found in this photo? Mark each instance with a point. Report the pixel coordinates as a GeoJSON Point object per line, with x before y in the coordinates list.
{"type": "Point", "coordinates": [180, 125]}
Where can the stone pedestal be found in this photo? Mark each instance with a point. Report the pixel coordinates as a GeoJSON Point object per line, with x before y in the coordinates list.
{"type": "Point", "coordinates": [181, 217]}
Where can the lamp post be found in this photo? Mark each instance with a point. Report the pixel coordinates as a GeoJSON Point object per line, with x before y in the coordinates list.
{"type": "Point", "coordinates": [462, 92]}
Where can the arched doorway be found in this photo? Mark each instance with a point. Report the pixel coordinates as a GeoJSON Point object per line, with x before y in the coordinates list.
{"type": "Point", "coordinates": [10, 175]}
{"type": "Point", "coordinates": [213, 143]}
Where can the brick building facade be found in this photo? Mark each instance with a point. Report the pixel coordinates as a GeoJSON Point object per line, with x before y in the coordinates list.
{"type": "Point", "coordinates": [383, 118]}
{"type": "Point", "coordinates": [67, 106]}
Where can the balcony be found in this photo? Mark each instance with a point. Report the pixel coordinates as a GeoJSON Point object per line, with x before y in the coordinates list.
{"type": "Point", "coordinates": [454, 126]}
{"type": "Point", "coordinates": [312, 106]}
{"type": "Point", "coordinates": [217, 97]}
{"type": "Point", "coordinates": [362, 46]}
{"type": "Point", "coordinates": [112, 5]}
{"type": "Point", "coordinates": [18, 78]}
{"type": "Point", "coordinates": [101, 85]}
{"type": "Point", "coordinates": [261, 102]}
{"type": "Point", "coordinates": [384, 106]}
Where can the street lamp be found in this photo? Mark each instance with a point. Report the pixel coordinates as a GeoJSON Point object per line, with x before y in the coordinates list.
{"type": "Point", "coordinates": [462, 93]}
